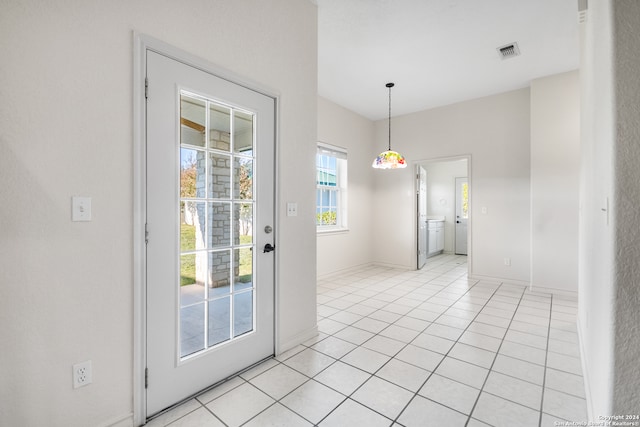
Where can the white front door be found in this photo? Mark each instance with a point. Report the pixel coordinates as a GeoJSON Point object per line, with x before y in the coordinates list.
{"type": "Point", "coordinates": [422, 216]}
{"type": "Point", "coordinates": [462, 215]}
{"type": "Point", "coordinates": [210, 209]}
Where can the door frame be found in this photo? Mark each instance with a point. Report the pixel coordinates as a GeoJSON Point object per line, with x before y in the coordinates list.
{"type": "Point", "coordinates": [141, 44]}
{"type": "Point", "coordinates": [419, 194]}
{"type": "Point", "coordinates": [466, 157]}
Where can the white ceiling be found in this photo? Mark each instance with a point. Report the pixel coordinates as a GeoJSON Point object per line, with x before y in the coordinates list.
{"type": "Point", "coordinates": [438, 52]}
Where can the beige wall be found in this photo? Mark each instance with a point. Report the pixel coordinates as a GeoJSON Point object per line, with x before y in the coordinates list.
{"type": "Point", "coordinates": [66, 126]}
{"type": "Point", "coordinates": [343, 128]}
{"type": "Point", "coordinates": [555, 174]}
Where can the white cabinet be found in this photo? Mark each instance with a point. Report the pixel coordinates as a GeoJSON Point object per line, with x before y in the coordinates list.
{"type": "Point", "coordinates": [436, 237]}
{"type": "Point", "coordinates": [433, 240]}
{"type": "Point", "coordinates": [440, 240]}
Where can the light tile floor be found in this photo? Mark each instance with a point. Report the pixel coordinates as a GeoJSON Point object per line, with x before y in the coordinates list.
{"type": "Point", "coordinates": [413, 348]}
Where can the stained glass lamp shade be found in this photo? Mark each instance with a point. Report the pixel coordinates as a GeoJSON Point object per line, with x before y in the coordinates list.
{"type": "Point", "coordinates": [389, 160]}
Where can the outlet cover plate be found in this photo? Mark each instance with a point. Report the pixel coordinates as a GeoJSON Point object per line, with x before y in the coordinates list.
{"type": "Point", "coordinates": [82, 374]}
{"type": "Point", "coordinates": [292, 209]}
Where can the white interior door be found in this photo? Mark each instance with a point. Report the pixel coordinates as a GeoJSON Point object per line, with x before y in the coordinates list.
{"type": "Point", "coordinates": [422, 216]}
{"type": "Point", "coordinates": [462, 215]}
{"type": "Point", "coordinates": [210, 206]}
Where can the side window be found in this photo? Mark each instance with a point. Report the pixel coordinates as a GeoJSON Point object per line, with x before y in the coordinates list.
{"type": "Point", "coordinates": [331, 188]}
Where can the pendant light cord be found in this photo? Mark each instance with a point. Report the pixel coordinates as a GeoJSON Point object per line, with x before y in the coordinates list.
{"type": "Point", "coordinates": [389, 85]}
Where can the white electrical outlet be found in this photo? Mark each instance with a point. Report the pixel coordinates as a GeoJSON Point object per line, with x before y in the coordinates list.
{"type": "Point", "coordinates": [507, 262]}
{"type": "Point", "coordinates": [292, 209]}
{"type": "Point", "coordinates": [82, 374]}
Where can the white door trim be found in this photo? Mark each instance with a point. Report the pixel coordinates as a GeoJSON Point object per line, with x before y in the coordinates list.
{"type": "Point", "coordinates": [421, 197]}
{"type": "Point", "coordinates": [142, 43]}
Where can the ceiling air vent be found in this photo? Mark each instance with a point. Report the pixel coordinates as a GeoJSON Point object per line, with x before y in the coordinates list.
{"type": "Point", "coordinates": [508, 51]}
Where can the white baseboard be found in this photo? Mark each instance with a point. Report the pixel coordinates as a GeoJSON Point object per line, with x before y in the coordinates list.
{"type": "Point", "coordinates": [554, 291]}
{"type": "Point", "coordinates": [343, 271]}
{"type": "Point", "coordinates": [390, 265]}
{"type": "Point", "coordinates": [121, 421]}
{"type": "Point", "coordinates": [299, 338]}
{"type": "Point", "coordinates": [499, 279]}
{"type": "Point", "coordinates": [532, 288]}
{"type": "Point", "coordinates": [360, 266]}
{"type": "Point", "coordinates": [585, 373]}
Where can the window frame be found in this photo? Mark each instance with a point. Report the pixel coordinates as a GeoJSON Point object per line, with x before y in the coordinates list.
{"type": "Point", "coordinates": [340, 189]}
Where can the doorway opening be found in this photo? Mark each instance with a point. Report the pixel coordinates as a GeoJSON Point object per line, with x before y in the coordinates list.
{"type": "Point", "coordinates": [443, 198]}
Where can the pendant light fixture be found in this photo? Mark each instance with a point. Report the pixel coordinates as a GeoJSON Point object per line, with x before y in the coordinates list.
{"type": "Point", "coordinates": [389, 159]}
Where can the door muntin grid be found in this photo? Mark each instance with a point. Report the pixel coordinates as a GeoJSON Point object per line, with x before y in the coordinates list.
{"type": "Point", "coordinates": [217, 208]}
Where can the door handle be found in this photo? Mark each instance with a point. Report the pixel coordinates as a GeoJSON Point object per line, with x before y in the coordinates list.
{"type": "Point", "coordinates": [269, 248]}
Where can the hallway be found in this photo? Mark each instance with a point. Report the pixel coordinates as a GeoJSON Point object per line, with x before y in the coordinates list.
{"type": "Point", "coordinates": [412, 348]}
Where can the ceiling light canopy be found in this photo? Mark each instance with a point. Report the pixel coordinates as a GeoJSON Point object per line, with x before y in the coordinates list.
{"type": "Point", "coordinates": [389, 159]}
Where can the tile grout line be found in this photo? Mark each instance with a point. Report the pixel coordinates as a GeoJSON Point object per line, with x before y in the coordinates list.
{"type": "Point", "coordinates": [214, 415]}
{"type": "Point", "coordinates": [206, 390]}
{"type": "Point", "coordinates": [473, 408]}
{"type": "Point", "coordinates": [443, 289]}
{"type": "Point", "coordinates": [312, 378]}
{"type": "Point", "coordinates": [546, 356]}
{"type": "Point", "coordinates": [278, 401]}
{"type": "Point", "coordinates": [308, 378]}
{"type": "Point", "coordinates": [392, 357]}
{"type": "Point", "coordinates": [446, 355]}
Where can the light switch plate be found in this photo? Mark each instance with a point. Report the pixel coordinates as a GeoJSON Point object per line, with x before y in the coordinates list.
{"type": "Point", "coordinates": [80, 208]}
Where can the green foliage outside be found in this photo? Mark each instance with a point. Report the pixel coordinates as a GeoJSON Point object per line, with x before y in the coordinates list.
{"type": "Point", "coordinates": [187, 262]}
{"type": "Point", "coordinates": [326, 218]}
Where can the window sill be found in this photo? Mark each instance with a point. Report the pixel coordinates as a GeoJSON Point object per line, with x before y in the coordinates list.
{"type": "Point", "coordinates": [329, 231]}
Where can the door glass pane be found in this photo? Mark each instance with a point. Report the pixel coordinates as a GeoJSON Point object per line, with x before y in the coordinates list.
{"type": "Point", "coordinates": [243, 230]}
{"type": "Point", "coordinates": [219, 321]}
{"type": "Point", "coordinates": [188, 270]}
{"type": "Point", "coordinates": [216, 224]}
{"type": "Point", "coordinates": [219, 224]}
{"type": "Point", "coordinates": [192, 173]}
{"type": "Point", "coordinates": [192, 329]}
{"type": "Point", "coordinates": [219, 176]}
{"type": "Point", "coordinates": [243, 270]}
{"type": "Point", "coordinates": [242, 313]}
{"type": "Point", "coordinates": [220, 127]}
{"type": "Point", "coordinates": [192, 121]}
{"type": "Point", "coordinates": [243, 178]}
{"type": "Point", "coordinates": [219, 272]}
{"type": "Point", "coordinates": [243, 132]}
{"type": "Point", "coordinates": [192, 215]}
